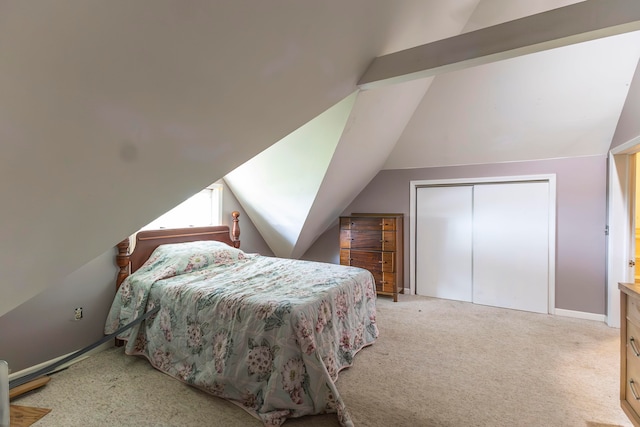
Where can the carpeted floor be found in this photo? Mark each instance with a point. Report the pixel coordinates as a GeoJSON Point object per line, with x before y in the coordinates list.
{"type": "Point", "coordinates": [436, 363]}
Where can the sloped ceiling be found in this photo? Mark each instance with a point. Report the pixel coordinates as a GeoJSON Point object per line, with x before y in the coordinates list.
{"type": "Point", "coordinates": [559, 103]}
{"type": "Point", "coordinates": [555, 103]}
{"type": "Point", "coordinates": [376, 119]}
{"type": "Point", "coordinates": [113, 112]}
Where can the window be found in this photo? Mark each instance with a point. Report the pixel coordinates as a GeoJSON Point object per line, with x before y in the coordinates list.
{"type": "Point", "coordinates": [201, 209]}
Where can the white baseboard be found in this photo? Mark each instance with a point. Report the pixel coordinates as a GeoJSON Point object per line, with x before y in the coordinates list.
{"type": "Point", "coordinates": [42, 365]}
{"type": "Point", "coordinates": [561, 312]}
{"type": "Point", "coordinates": [581, 315]}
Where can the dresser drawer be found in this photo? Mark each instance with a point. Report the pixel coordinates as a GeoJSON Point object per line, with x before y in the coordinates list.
{"type": "Point", "coordinates": [371, 260]}
{"type": "Point", "coordinates": [361, 239]}
{"type": "Point", "coordinates": [361, 224]}
{"type": "Point", "coordinates": [388, 241]}
{"type": "Point", "coordinates": [389, 224]}
{"type": "Point", "coordinates": [633, 339]}
{"type": "Point", "coordinates": [385, 282]}
{"type": "Point", "coordinates": [633, 380]}
{"type": "Point", "coordinates": [388, 262]}
{"type": "Point", "coordinates": [371, 240]}
{"type": "Point", "coordinates": [633, 310]}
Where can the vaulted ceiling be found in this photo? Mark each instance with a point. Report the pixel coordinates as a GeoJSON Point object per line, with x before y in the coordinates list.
{"type": "Point", "coordinates": [113, 112]}
{"type": "Point", "coordinates": [554, 103]}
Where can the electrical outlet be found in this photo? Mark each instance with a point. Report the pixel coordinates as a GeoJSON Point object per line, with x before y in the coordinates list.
{"type": "Point", "coordinates": [77, 313]}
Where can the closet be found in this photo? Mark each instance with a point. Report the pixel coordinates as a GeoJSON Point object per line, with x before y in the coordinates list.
{"type": "Point", "coordinates": [486, 243]}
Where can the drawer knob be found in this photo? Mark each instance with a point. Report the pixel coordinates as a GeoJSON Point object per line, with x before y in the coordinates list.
{"type": "Point", "coordinates": [632, 343]}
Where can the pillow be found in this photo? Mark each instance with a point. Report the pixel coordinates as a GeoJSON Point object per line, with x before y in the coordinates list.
{"type": "Point", "coordinates": [179, 258]}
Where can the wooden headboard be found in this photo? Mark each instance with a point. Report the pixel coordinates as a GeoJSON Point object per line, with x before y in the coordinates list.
{"type": "Point", "coordinates": [148, 240]}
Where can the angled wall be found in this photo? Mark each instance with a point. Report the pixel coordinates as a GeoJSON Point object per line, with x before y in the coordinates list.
{"type": "Point", "coordinates": [277, 187]}
{"type": "Point", "coordinates": [628, 125]}
{"type": "Point", "coordinates": [114, 112]}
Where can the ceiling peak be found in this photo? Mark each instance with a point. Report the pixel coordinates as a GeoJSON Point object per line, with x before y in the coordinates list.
{"type": "Point", "coordinates": [579, 22]}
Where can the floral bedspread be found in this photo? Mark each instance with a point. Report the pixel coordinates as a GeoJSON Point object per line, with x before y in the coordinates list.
{"type": "Point", "coordinates": [269, 334]}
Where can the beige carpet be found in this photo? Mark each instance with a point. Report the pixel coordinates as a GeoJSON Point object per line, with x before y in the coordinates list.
{"type": "Point", "coordinates": [436, 363]}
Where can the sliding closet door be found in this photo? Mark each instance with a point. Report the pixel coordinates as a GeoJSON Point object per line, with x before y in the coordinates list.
{"type": "Point", "coordinates": [443, 242]}
{"type": "Point", "coordinates": [511, 245]}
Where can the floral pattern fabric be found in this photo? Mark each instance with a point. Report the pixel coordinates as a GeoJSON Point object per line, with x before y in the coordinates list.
{"type": "Point", "coordinates": [269, 334]}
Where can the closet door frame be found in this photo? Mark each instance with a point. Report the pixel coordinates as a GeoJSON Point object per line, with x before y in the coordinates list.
{"type": "Point", "coordinates": [550, 178]}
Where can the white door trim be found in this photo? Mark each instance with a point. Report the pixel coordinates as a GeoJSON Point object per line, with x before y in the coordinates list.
{"type": "Point", "coordinates": [618, 209]}
{"type": "Point", "coordinates": [551, 178]}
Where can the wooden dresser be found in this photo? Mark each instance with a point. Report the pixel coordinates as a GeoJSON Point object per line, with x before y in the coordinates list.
{"type": "Point", "coordinates": [630, 350]}
{"type": "Point", "coordinates": [374, 241]}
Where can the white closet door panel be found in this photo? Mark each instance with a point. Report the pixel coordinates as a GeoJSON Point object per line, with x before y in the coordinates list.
{"type": "Point", "coordinates": [443, 242]}
{"type": "Point", "coordinates": [511, 245]}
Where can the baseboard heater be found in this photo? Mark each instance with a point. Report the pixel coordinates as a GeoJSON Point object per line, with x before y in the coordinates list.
{"type": "Point", "coordinates": [50, 368]}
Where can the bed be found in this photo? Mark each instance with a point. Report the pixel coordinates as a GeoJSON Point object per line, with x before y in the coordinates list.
{"type": "Point", "coordinates": [268, 334]}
